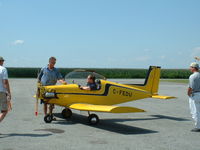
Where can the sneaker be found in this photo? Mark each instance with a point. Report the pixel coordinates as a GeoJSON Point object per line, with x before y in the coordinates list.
{"type": "Point", "coordinates": [195, 130]}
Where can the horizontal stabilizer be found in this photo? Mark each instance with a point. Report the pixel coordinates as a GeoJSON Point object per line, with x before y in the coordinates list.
{"type": "Point", "coordinates": [163, 97]}
{"type": "Point", "coordinates": [105, 108]}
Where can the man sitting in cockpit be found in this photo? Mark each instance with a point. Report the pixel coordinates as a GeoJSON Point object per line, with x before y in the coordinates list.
{"type": "Point", "coordinates": [91, 85]}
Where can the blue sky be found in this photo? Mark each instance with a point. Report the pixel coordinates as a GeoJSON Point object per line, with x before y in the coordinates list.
{"type": "Point", "coordinates": [100, 33]}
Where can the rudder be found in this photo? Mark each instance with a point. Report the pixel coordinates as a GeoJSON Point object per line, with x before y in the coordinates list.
{"type": "Point", "coordinates": [151, 83]}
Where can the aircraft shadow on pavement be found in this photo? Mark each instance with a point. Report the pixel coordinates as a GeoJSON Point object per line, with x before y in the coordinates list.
{"type": "Point", "coordinates": [105, 124]}
{"type": "Point", "coordinates": [170, 118]}
{"type": "Point", "coordinates": [23, 135]}
{"type": "Point", "coordinates": [153, 117]}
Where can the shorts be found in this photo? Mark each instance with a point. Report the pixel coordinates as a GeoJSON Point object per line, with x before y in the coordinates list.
{"type": "Point", "coordinates": [3, 102]}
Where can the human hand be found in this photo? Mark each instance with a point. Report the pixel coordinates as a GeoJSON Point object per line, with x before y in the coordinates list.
{"type": "Point", "coordinates": [80, 87]}
{"type": "Point", "coordinates": [9, 105]}
{"type": "Point", "coordinates": [64, 83]}
{"type": "Point", "coordinates": [8, 96]}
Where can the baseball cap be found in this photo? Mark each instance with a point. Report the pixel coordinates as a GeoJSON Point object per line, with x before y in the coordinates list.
{"type": "Point", "coordinates": [194, 65]}
{"type": "Point", "coordinates": [1, 58]}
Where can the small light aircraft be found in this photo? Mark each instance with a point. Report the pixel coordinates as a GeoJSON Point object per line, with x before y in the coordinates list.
{"type": "Point", "coordinates": [104, 99]}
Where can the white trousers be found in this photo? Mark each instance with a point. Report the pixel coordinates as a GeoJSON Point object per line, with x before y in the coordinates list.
{"type": "Point", "coordinates": [194, 102]}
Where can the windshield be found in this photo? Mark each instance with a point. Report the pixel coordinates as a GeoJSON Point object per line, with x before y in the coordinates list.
{"type": "Point", "coordinates": [80, 77]}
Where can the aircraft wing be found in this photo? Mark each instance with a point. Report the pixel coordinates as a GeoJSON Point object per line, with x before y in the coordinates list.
{"type": "Point", "coordinates": [163, 97]}
{"type": "Point", "coordinates": [105, 108]}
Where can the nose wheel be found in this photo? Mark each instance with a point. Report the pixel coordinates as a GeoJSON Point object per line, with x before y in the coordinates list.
{"type": "Point", "coordinates": [93, 119]}
{"type": "Point", "coordinates": [48, 118]}
{"type": "Point", "coordinates": [66, 113]}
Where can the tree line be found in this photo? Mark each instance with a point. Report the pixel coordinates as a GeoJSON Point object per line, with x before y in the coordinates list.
{"type": "Point", "coordinates": [108, 73]}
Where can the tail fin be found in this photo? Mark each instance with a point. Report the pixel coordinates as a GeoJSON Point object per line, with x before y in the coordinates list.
{"type": "Point", "coordinates": [151, 83]}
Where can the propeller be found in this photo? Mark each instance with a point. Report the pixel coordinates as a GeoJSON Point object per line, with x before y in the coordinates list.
{"type": "Point", "coordinates": [37, 95]}
{"type": "Point", "coordinates": [37, 98]}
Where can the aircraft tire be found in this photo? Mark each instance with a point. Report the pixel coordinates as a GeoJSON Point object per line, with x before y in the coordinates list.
{"type": "Point", "coordinates": [93, 119]}
{"type": "Point", "coordinates": [48, 118]}
{"type": "Point", "coordinates": [66, 113]}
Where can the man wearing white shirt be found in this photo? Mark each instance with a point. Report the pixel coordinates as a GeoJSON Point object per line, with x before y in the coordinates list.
{"type": "Point", "coordinates": [4, 90]}
{"type": "Point", "coordinates": [194, 95]}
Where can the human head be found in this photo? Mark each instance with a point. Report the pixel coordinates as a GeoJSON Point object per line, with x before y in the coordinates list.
{"type": "Point", "coordinates": [194, 67]}
{"type": "Point", "coordinates": [91, 79]}
{"type": "Point", "coordinates": [1, 60]}
{"type": "Point", "coordinates": [52, 62]}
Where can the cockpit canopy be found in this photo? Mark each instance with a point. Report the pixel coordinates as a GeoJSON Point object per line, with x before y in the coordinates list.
{"type": "Point", "coordinates": [80, 77]}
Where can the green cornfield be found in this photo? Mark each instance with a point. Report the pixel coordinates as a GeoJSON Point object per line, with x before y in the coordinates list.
{"type": "Point", "coordinates": [108, 73]}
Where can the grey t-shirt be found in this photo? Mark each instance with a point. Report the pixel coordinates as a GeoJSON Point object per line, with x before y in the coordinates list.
{"type": "Point", "coordinates": [194, 82]}
{"type": "Point", "coordinates": [3, 76]}
{"type": "Point", "coordinates": [49, 77]}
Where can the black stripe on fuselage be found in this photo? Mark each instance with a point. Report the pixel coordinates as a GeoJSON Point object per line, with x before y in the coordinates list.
{"type": "Point", "coordinates": [107, 87]}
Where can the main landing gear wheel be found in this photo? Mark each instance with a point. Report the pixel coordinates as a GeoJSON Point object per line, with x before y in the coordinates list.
{"type": "Point", "coordinates": [48, 118]}
{"type": "Point", "coordinates": [66, 113]}
{"type": "Point", "coordinates": [93, 119]}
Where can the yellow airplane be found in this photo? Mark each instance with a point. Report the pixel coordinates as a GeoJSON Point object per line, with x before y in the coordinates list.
{"type": "Point", "coordinates": [104, 99]}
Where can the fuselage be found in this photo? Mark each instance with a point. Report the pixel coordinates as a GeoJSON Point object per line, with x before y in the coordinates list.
{"type": "Point", "coordinates": [110, 93]}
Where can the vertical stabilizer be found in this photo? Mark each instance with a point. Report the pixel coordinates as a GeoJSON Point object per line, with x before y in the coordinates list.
{"type": "Point", "coordinates": [151, 83]}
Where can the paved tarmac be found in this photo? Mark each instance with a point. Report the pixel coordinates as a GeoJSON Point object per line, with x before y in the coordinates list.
{"type": "Point", "coordinates": [165, 126]}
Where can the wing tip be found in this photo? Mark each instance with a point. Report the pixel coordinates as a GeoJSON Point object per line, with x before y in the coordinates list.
{"type": "Point", "coordinates": [163, 97]}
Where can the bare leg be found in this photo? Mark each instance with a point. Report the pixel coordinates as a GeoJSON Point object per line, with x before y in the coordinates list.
{"type": "Point", "coordinates": [51, 107]}
{"type": "Point", "coordinates": [2, 115]}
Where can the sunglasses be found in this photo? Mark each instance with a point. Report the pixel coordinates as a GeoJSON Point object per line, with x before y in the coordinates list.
{"type": "Point", "coordinates": [53, 63]}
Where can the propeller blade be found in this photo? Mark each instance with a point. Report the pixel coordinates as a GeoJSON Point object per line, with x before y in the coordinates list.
{"type": "Point", "coordinates": [36, 108]}
{"type": "Point", "coordinates": [37, 99]}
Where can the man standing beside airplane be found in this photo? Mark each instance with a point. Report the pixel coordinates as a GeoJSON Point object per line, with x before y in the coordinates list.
{"type": "Point", "coordinates": [194, 95]}
{"type": "Point", "coordinates": [5, 93]}
{"type": "Point", "coordinates": [49, 75]}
